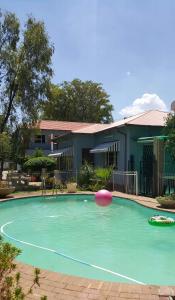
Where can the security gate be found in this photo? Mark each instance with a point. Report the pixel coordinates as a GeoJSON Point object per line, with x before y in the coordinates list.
{"type": "Point", "coordinates": [147, 166]}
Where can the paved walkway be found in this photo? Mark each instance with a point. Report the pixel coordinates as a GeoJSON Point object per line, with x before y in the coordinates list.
{"type": "Point", "coordinates": [64, 287]}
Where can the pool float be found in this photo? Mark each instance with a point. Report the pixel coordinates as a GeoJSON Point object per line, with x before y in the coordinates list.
{"type": "Point", "coordinates": [161, 221]}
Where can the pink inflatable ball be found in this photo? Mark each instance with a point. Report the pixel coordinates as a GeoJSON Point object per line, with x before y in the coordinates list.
{"type": "Point", "coordinates": [103, 198]}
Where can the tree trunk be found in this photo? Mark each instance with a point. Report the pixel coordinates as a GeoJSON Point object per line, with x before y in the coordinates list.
{"type": "Point", "coordinates": [13, 91]}
{"type": "Point", "coordinates": [1, 170]}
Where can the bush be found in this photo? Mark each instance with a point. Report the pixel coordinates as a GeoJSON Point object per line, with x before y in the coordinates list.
{"type": "Point", "coordinates": [102, 177]}
{"type": "Point", "coordinates": [10, 288]}
{"type": "Point", "coordinates": [38, 163]}
{"type": "Point", "coordinates": [85, 176]}
{"type": "Point", "coordinates": [38, 153]}
{"type": "Point", "coordinates": [94, 180]}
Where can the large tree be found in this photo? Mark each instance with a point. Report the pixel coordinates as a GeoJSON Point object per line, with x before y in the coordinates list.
{"type": "Point", "coordinates": [169, 130]}
{"type": "Point", "coordinates": [81, 101]}
{"type": "Point", "coordinates": [25, 69]}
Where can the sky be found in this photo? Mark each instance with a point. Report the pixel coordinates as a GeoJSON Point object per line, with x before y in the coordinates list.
{"type": "Point", "coordinates": [127, 45]}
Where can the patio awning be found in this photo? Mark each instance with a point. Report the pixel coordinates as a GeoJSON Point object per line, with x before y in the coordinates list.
{"type": "Point", "coordinates": [106, 147]}
{"type": "Point", "coordinates": [150, 139]}
{"type": "Point", "coordinates": [62, 152]}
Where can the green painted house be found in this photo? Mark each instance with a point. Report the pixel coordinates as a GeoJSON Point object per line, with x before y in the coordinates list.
{"type": "Point", "coordinates": [127, 145]}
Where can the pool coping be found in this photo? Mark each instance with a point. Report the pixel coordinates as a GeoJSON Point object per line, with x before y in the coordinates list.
{"type": "Point", "coordinates": [142, 200]}
{"type": "Point", "coordinates": [56, 285]}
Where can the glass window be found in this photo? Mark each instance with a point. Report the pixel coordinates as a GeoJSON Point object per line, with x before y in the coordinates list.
{"type": "Point", "coordinates": [40, 139]}
{"type": "Point", "coordinates": [87, 156]}
{"type": "Point", "coordinates": [111, 159]}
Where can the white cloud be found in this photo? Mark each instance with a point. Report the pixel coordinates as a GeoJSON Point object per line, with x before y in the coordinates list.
{"type": "Point", "coordinates": [146, 102]}
{"type": "Point", "coordinates": [128, 73]}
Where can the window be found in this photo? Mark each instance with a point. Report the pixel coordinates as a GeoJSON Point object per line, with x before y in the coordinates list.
{"type": "Point", "coordinates": [87, 156]}
{"type": "Point", "coordinates": [40, 139]}
{"type": "Point", "coordinates": [65, 163]}
{"type": "Point", "coordinates": [111, 159]}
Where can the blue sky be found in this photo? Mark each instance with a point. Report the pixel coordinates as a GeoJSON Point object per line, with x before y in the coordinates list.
{"type": "Point", "coordinates": [127, 45]}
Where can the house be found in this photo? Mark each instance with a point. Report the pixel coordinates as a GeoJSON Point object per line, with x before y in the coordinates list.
{"type": "Point", "coordinates": [128, 145]}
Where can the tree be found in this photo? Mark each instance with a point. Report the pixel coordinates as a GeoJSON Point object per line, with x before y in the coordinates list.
{"type": "Point", "coordinates": [5, 150]}
{"type": "Point", "coordinates": [21, 138]}
{"type": "Point", "coordinates": [36, 164]}
{"type": "Point", "coordinates": [169, 130]}
{"type": "Point", "coordinates": [25, 69]}
{"type": "Point", "coordinates": [78, 101]}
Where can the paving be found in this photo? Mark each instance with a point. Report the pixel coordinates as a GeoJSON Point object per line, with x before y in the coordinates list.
{"type": "Point", "coordinates": [65, 287]}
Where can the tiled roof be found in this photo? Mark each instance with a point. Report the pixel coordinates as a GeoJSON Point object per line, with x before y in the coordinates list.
{"type": "Point", "coordinates": [151, 118]}
{"type": "Point", "coordinates": [62, 125]}
{"type": "Point", "coordinates": [92, 128]}
{"type": "Point", "coordinates": [148, 118]}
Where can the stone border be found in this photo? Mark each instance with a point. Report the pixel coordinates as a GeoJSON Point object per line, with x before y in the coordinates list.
{"type": "Point", "coordinates": [144, 201]}
{"type": "Point", "coordinates": [66, 287]}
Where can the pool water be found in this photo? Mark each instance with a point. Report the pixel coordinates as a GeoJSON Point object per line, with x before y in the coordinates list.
{"type": "Point", "coordinates": [113, 243]}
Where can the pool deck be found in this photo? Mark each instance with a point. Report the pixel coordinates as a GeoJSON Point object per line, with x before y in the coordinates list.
{"type": "Point", "coordinates": [65, 287]}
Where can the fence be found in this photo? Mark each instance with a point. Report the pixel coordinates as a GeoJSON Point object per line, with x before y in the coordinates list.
{"type": "Point", "coordinates": [167, 182]}
{"type": "Point", "coordinates": [126, 182]}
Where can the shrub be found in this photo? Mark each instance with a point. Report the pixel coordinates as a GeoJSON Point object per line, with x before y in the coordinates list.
{"type": "Point", "coordinates": [10, 288]}
{"type": "Point", "coordinates": [38, 153]}
{"type": "Point", "coordinates": [85, 176]}
{"type": "Point", "coordinates": [103, 176]}
{"type": "Point", "coordinates": [38, 163]}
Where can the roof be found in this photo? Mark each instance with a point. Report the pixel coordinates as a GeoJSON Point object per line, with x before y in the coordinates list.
{"type": "Point", "coordinates": [62, 125]}
{"type": "Point", "coordinates": [148, 118]}
{"type": "Point", "coordinates": [92, 128]}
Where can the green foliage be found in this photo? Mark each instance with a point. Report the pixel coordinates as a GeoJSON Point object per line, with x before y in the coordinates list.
{"type": "Point", "coordinates": [5, 146]}
{"type": "Point", "coordinates": [38, 163]}
{"type": "Point", "coordinates": [101, 178]}
{"type": "Point", "coordinates": [85, 176]}
{"type": "Point", "coordinates": [5, 150]}
{"type": "Point", "coordinates": [94, 179]}
{"type": "Point", "coordinates": [20, 142]}
{"type": "Point", "coordinates": [25, 69]}
{"type": "Point", "coordinates": [81, 101]}
{"type": "Point", "coordinates": [10, 288]}
{"type": "Point", "coordinates": [104, 174]}
{"type": "Point", "coordinates": [38, 153]}
{"type": "Point", "coordinates": [169, 130]}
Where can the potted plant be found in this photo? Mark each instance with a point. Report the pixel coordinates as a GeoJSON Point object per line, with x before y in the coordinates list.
{"type": "Point", "coordinates": [167, 201]}
{"type": "Point", "coordinates": [5, 189]}
{"type": "Point", "coordinates": [71, 186]}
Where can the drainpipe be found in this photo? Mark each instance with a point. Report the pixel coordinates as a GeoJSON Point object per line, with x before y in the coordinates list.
{"type": "Point", "coordinates": [126, 148]}
{"type": "Point", "coordinates": [51, 144]}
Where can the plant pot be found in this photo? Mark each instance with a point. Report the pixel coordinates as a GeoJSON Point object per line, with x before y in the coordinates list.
{"type": "Point", "coordinates": [72, 187]}
{"type": "Point", "coordinates": [165, 202]}
{"type": "Point", "coordinates": [4, 191]}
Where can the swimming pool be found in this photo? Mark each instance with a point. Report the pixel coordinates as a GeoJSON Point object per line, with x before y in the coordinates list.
{"type": "Point", "coordinates": [71, 234]}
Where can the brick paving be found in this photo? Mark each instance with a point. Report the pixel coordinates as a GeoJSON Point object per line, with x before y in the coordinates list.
{"type": "Point", "coordinates": [65, 287]}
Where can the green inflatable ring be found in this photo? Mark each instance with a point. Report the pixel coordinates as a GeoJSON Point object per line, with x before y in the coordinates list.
{"type": "Point", "coordinates": [161, 221]}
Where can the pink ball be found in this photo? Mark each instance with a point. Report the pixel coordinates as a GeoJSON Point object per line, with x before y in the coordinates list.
{"type": "Point", "coordinates": [103, 198]}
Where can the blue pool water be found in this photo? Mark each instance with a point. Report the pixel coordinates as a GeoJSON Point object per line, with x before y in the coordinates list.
{"type": "Point", "coordinates": [71, 234]}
